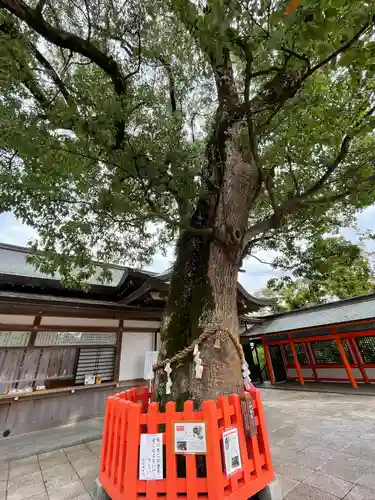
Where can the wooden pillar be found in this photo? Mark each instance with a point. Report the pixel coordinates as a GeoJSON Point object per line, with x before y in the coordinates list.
{"type": "Point", "coordinates": [116, 375]}
{"type": "Point", "coordinates": [260, 369]}
{"type": "Point", "coordinates": [296, 363]}
{"type": "Point", "coordinates": [269, 364]}
{"type": "Point", "coordinates": [311, 357]}
{"type": "Point", "coordinates": [348, 368]}
{"type": "Point", "coordinates": [357, 356]}
{"type": "Point", "coordinates": [285, 361]}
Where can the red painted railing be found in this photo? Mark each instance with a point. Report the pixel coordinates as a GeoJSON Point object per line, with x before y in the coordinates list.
{"type": "Point", "coordinates": [129, 414]}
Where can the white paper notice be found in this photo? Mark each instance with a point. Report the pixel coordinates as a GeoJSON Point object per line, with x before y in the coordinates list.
{"type": "Point", "coordinates": [89, 379]}
{"type": "Point", "coordinates": [190, 437]}
{"type": "Point", "coordinates": [151, 457]}
{"type": "Point", "coordinates": [232, 452]}
{"type": "Point", "coordinates": [150, 359]}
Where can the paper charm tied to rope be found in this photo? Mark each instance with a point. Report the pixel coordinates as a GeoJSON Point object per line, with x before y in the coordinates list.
{"type": "Point", "coordinates": [168, 371]}
{"type": "Point", "coordinates": [197, 362]}
{"type": "Point", "coordinates": [220, 335]}
{"type": "Point", "coordinates": [246, 376]}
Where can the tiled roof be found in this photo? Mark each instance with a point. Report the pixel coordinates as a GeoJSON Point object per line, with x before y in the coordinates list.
{"type": "Point", "coordinates": [343, 311]}
{"type": "Point", "coordinates": [13, 261]}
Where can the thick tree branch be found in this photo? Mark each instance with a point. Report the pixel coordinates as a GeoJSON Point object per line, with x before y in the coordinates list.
{"type": "Point", "coordinates": [40, 6]}
{"type": "Point", "coordinates": [276, 92]}
{"type": "Point", "coordinates": [357, 188]}
{"type": "Point", "coordinates": [292, 53]}
{"type": "Point", "coordinates": [36, 91]}
{"type": "Point", "coordinates": [289, 207]}
{"type": "Point", "coordinates": [50, 70]}
{"type": "Point", "coordinates": [343, 47]}
{"type": "Point", "coordinates": [67, 40]}
{"type": "Point", "coordinates": [172, 84]}
{"type": "Point", "coordinates": [344, 149]}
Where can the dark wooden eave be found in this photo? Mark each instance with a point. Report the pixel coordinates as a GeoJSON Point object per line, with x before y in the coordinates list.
{"type": "Point", "coordinates": [31, 304]}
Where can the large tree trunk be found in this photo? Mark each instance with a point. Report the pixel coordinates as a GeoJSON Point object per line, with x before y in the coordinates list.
{"type": "Point", "coordinates": [204, 286]}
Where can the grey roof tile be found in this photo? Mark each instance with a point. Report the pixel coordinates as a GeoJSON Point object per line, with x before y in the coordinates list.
{"type": "Point", "coordinates": [336, 312]}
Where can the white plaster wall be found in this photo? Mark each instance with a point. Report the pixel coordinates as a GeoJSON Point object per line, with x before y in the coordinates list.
{"type": "Point", "coordinates": [357, 373]}
{"type": "Point", "coordinates": [141, 324]}
{"type": "Point", "coordinates": [306, 372]}
{"type": "Point", "coordinates": [133, 350]}
{"type": "Point", "coordinates": [370, 372]}
{"type": "Point", "coordinates": [337, 373]}
{"type": "Point", "coordinates": [16, 319]}
{"type": "Point", "coordinates": [114, 323]}
{"type": "Point", "coordinates": [66, 321]}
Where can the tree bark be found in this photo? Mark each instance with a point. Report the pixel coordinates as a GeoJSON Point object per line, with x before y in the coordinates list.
{"type": "Point", "coordinates": [204, 283]}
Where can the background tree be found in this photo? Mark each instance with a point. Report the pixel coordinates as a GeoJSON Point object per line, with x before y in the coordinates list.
{"type": "Point", "coordinates": [329, 269]}
{"type": "Point", "coordinates": [226, 122]}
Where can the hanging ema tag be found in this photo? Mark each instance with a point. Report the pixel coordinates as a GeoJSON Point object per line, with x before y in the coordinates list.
{"type": "Point", "coordinates": [248, 415]}
{"type": "Point", "coordinates": [168, 385]}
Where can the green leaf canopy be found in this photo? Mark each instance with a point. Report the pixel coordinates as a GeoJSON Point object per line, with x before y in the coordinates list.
{"type": "Point", "coordinates": [108, 110]}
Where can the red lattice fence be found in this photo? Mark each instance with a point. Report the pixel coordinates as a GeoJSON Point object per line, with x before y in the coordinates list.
{"type": "Point", "coordinates": [129, 414]}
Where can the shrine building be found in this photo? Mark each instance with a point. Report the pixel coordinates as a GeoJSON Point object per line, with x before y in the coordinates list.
{"type": "Point", "coordinates": [64, 351]}
{"type": "Point", "coordinates": [332, 342]}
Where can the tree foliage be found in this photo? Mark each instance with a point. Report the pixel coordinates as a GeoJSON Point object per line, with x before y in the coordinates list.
{"type": "Point", "coordinates": [329, 269]}
{"type": "Point", "coordinates": [115, 116]}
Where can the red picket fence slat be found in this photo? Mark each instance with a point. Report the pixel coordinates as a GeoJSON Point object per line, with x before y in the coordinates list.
{"type": "Point", "coordinates": [130, 414]}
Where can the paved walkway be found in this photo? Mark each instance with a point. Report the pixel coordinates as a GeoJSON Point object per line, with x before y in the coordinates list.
{"type": "Point", "coordinates": [323, 448]}
{"type": "Point", "coordinates": [56, 475]}
{"type": "Point", "coordinates": [329, 387]}
{"type": "Point", "coordinates": [24, 445]}
{"type": "Point", "coordinates": [323, 445]}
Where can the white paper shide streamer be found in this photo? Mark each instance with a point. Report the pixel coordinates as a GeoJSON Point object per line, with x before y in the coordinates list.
{"type": "Point", "coordinates": [246, 376]}
{"type": "Point", "coordinates": [168, 385]}
{"type": "Point", "coordinates": [197, 362]}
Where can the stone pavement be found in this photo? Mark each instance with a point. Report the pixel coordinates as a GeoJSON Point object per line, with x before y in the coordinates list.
{"type": "Point", "coordinates": [55, 475]}
{"type": "Point", "coordinates": [24, 445]}
{"type": "Point", "coordinates": [323, 445]}
{"type": "Point", "coordinates": [323, 448]}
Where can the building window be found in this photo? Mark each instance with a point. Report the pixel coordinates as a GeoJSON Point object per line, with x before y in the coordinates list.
{"type": "Point", "coordinates": [326, 352]}
{"type": "Point", "coordinates": [27, 369]}
{"type": "Point", "coordinates": [367, 347]}
{"type": "Point", "coordinates": [52, 362]}
{"type": "Point", "coordinates": [96, 361]}
{"type": "Point", "coordinates": [301, 354]}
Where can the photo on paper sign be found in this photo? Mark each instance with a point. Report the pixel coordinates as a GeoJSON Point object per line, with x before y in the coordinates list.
{"type": "Point", "coordinates": [190, 437]}
{"type": "Point", "coordinates": [232, 453]}
{"type": "Point", "coordinates": [182, 445]}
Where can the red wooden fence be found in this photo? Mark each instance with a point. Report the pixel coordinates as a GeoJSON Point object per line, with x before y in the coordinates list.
{"type": "Point", "coordinates": [129, 414]}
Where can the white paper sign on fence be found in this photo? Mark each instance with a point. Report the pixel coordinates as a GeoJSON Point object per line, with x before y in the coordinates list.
{"type": "Point", "coordinates": [151, 457]}
{"type": "Point", "coordinates": [150, 359]}
{"type": "Point", "coordinates": [232, 453]}
{"type": "Point", "coordinates": [190, 437]}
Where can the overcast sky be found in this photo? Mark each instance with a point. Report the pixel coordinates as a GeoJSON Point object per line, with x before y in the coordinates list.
{"type": "Point", "coordinates": [253, 279]}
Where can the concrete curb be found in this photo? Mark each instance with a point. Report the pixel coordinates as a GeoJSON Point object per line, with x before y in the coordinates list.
{"type": "Point", "coordinates": [271, 492]}
{"type": "Point", "coordinates": [99, 492]}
